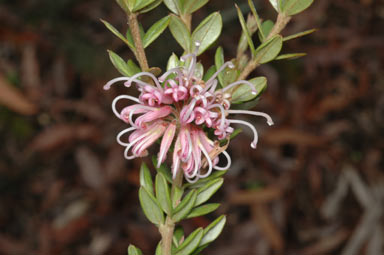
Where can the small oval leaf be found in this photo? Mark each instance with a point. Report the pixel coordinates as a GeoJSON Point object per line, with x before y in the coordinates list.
{"type": "Point", "coordinates": [150, 207]}
{"type": "Point", "coordinates": [151, 6]}
{"type": "Point", "coordinates": [155, 31]}
{"type": "Point", "coordinates": [163, 194]}
{"type": "Point", "coordinates": [190, 243]}
{"type": "Point", "coordinates": [213, 230]}
{"type": "Point", "coordinates": [173, 62]}
{"type": "Point", "coordinates": [293, 7]}
{"type": "Point", "coordinates": [185, 206]}
{"type": "Point", "coordinates": [206, 192]}
{"type": "Point", "coordinates": [173, 5]}
{"type": "Point", "coordinates": [191, 6]}
{"type": "Point", "coordinates": [119, 35]}
{"type": "Point", "coordinates": [269, 50]}
{"type": "Point", "coordinates": [133, 250]}
{"type": "Point", "coordinates": [119, 63]}
{"type": "Point", "coordinates": [140, 4]}
{"type": "Point", "coordinates": [146, 178]}
{"type": "Point", "coordinates": [207, 31]}
{"type": "Point", "coordinates": [180, 32]}
{"type": "Point", "coordinates": [243, 92]}
{"type": "Point", "coordinates": [203, 210]}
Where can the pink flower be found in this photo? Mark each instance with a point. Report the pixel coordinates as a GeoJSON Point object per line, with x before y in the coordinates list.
{"type": "Point", "coordinates": [177, 109]}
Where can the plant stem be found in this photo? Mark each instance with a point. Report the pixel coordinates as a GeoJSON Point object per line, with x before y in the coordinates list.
{"type": "Point", "coordinates": [139, 52]}
{"type": "Point", "coordinates": [280, 24]}
{"type": "Point", "coordinates": [167, 229]}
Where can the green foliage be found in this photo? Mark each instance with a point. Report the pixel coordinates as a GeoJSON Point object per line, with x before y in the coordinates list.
{"type": "Point", "coordinates": [294, 36]}
{"type": "Point", "coordinates": [206, 192]}
{"type": "Point", "coordinates": [186, 205]}
{"type": "Point", "coordinates": [203, 210]}
{"type": "Point", "coordinates": [119, 35]}
{"type": "Point", "coordinates": [269, 50]}
{"type": "Point", "coordinates": [146, 178]}
{"type": "Point", "coordinates": [266, 28]}
{"type": "Point", "coordinates": [150, 207]}
{"type": "Point", "coordinates": [163, 194]}
{"type": "Point", "coordinates": [246, 31]}
{"type": "Point", "coordinates": [133, 250]}
{"type": "Point", "coordinates": [180, 32]}
{"type": "Point", "coordinates": [126, 69]}
{"type": "Point", "coordinates": [293, 7]}
{"type": "Point", "coordinates": [207, 31]}
{"type": "Point", "coordinates": [243, 93]}
{"type": "Point", "coordinates": [155, 31]}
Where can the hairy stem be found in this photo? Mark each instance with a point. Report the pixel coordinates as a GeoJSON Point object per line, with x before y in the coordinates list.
{"type": "Point", "coordinates": [280, 24]}
{"type": "Point", "coordinates": [167, 229]}
{"type": "Point", "coordinates": [135, 30]}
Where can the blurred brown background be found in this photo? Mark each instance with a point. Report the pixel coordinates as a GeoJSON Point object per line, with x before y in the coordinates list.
{"type": "Point", "coordinates": [314, 186]}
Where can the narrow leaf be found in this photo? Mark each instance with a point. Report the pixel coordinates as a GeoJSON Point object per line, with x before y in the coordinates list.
{"type": "Point", "coordinates": [200, 183]}
{"type": "Point", "coordinates": [155, 31]}
{"type": "Point", "coordinates": [190, 243]}
{"type": "Point", "coordinates": [269, 50]}
{"type": "Point", "coordinates": [258, 21]}
{"type": "Point", "coordinates": [150, 207]}
{"type": "Point", "coordinates": [146, 178]}
{"type": "Point", "coordinates": [213, 230]}
{"type": "Point", "coordinates": [180, 33]}
{"type": "Point", "coordinates": [163, 194]}
{"type": "Point", "coordinates": [274, 4]}
{"type": "Point", "coordinates": [219, 61]}
{"type": "Point", "coordinates": [185, 206]}
{"type": "Point", "coordinates": [133, 250]}
{"type": "Point", "coordinates": [266, 28]}
{"type": "Point", "coordinates": [203, 210]}
{"type": "Point", "coordinates": [173, 62]}
{"type": "Point", "coordinates": [176, 197]}
{"type": "Point", "coordinates": [178, 234]}
{"type": "Point", "coordinates": [191, 6]}
{"type": "Point", "coordinates": [119, 63]}
{"type": "Point", "coordinates": [208, 74]}
{"type": "Point", "coordinates": [207, 191]}
{"type": "Point", "coordinates": [118, 34]}
{"type": "Point", "coordinates": [207, 31]}
{"type": "Point", "coordinates": [245, 30]}
{"type": "Point", "coordinates": [294, 36]}
{"type": "Point", "coordinates": [173, 5]}
{"type": "Point", "coordinates": [151, 6]}
{"type": "Point", "coordinates": [140, 4]}
{"type": "Point", "coordinates": [292, 7]}
{"type": "Point", "coordinates": [158, 249]}
{"type": "Point", "coordinates": [243, 92]}
{"type": "Point", "coordinates": [132, 67]}
{"type": "Point", "coordinates": [290, 56]}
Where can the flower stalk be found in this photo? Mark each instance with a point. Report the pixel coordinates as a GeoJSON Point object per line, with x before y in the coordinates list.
{"type": "Point", "coordinates": [139, 52]}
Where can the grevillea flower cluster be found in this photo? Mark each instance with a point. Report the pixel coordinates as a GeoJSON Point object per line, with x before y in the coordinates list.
{"type": "Point", "coordinates": [181, 108]}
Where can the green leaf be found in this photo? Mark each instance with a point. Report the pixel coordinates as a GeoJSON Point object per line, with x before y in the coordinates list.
{"type": "Point", "coordinates": [180, 33]}
{"type": "Point", "coordinates": [219, 61]}
{"type": "Point", "coordinates": [290, 56]}
{"type": "Point", "coordinates": [150, 207]}
{"type": "Point", "coordinates": [191, 6]}
{"type": "Point", "coordinates": [208, 74]}
{"type": "Point", "coordinates": [243, 92]}
{"type": "Point", "coordinates": [293, 7]}
{"type": "Point", "coordinates": [158, 249]}
{"type": "Point", "coordinates": [266, 28]}
{"type": "Point", "coordinates": [155, 31]}
{"type": "Point", "coordinates": [178, 234]}
{"type": "Point", "coordinates": [146, 178]}
{"type": "Point", "coordinates": [140, 4]}
{"type": "Point", "coordinates": [177, 194]}
{"type": "Point", "coordinates": [200, 183]}
{"type": "Point", "coordinates": [124, 5]}
{"type": "Point", "coordinates": [199, 71]}
{"type": "Point", "coordinates": [185, 206]}
{"type": "Point", "coordinates": [162, 169]}
{"type": "Point", "coordinates": [207, 31]}
{"type": "Point", "coordinates": [245, 30]}
{"type": "Point", "coordinates": [151, 6]}
{"type": "Point", "coordinates": [213, 230]}
{"type": "Point", "coordinates": [274, 4]}
{"type": "Point", "coordinates": [119, 63]}
{"type": "Point", "coordinates": [190, 243]}
{"type": "Point", "coordinates": [202, 210]}
{"type": "Point", "coordinates": [269, 50]}
{"type": "Point", "coordinates": [294, 36]}
{"type": "Point", "coordinates": [133, 250]}
{"type": "Point", "coordinates": [173, 62]}
{"type": "Point", "coordinates": [132, 67]}
{"type": "Point", "coordinates": [174, 6]}
{"type": "Point", "coordinates": [119, 35]}
{"type": "Point", "coordinates": [163, 194]}
{"type": "Point", "coordinates": [131, 4]}
{"type": "Point", "coordinates": [258, 21]}
{"type": "Point", "coordinates": [207, 191]}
